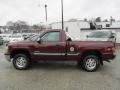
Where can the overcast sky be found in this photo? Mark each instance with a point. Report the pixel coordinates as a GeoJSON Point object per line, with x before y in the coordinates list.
{"type": "Point", "coordinates": [33, 11]}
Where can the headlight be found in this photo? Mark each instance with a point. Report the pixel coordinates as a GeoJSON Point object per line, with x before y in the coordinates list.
{"type": "Point", "coordinates": [7, 48]}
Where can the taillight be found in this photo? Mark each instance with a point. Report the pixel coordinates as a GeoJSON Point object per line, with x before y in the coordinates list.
{"type": "Point", "coordinates": [113, 49]}
{"type": "Point", "coordinates": [109, 49]}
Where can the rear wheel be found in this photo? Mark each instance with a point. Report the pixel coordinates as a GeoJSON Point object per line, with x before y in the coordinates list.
{"type": "Point", "coordinates": [21, 61]}
{"type": "Point", "coordinates": [90, 63]}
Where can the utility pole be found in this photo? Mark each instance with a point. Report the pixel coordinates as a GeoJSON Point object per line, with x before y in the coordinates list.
{"type": "Point", "coordinates": [46, 11]}
{"type": "Point", "coordinates": [62, 14]}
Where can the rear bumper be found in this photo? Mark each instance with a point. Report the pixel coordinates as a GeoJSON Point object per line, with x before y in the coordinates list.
{"type": "Point", "coordinates": [7, 56]}
{"type": "Point", "coordinates": [113, 57]}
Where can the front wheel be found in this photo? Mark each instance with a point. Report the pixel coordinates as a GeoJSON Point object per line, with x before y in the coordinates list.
{"type": "Point", "coordinates": [21, 62]}
{"type": "Point", "coordinates": [91, 63]}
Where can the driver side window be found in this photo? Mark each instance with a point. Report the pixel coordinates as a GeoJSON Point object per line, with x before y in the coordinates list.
{"type": "Point", "coordinates": [51, 36]}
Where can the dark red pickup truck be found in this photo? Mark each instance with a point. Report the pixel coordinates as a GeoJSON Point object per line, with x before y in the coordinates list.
{"type": "Point", "coordinates": [55, 45]}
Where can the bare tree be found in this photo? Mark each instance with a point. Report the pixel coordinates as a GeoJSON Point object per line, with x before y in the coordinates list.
{"type": "Point", "coordinates": [105, 20]}
{"type": "Point", "coordinates": [85, 19]}
{"type": "Point", "coordinates": [72, 20]}
{"type": "Point", "coordinates": [98, 19]}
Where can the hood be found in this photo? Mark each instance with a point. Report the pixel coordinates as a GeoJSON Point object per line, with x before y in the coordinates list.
{"type": "Point", "coordinates": [22, 43]}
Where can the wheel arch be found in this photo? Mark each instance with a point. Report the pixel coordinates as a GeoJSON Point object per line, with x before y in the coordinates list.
{"type": "Point", "coordinates": [20, 51]}
{"type": "Point", "coordinates": [92, 52]}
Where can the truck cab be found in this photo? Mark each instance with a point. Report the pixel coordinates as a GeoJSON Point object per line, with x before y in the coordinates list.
{"type": "Point", "coordinates": [55, 46]}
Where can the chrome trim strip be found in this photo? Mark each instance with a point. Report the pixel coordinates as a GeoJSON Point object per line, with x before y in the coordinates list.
{"type": "Point", "coordinates": [59, 54]}
{"type": "Point", "coordinates": [72, 54]}
{"type": "Point", "coordinates": [36, 51]}
{"type": "Point", "coordinates": [56, 54]}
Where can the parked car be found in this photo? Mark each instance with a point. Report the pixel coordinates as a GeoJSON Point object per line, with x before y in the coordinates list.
{"type": "Point", "coordinates": [102, 35]}
{"type": "Point", "coordinates": [1, 40]}
{"type": "Point", "coordinates": [15, 38]}
{"type": "Point", "coordinates": [5, 37]}
{"type": "Point", "coordinates": [53, 45]}
{"type": "Point", "coordinates": [27, 35]}
{"type": "Point", "coordinates": [24, 36]}
{"type": "Point", "coordinates": [32, 37]}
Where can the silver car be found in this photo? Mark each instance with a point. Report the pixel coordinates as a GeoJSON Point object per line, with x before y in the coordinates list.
{"type": "Point", "coordinates": [1, 40]}
{"type": "Point", "coordinates": [102, 35]}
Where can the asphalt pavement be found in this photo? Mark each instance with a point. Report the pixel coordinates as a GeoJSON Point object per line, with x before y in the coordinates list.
{"type": "Point", "coordinates": [59, 76]}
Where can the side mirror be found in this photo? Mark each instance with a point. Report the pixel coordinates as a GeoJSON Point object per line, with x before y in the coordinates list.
{"type": "Point", "coordinates": [39, 41]}
{"type": "Point", "coordinates": [69, 39]}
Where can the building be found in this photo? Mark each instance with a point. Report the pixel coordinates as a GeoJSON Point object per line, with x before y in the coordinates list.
{"type": "Point", "coordinates": [79, 29]}
{"type": "Point", "coordinates": [73, 28]}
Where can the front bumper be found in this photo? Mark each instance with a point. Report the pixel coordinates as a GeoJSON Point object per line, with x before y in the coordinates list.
{"type": "Point", "coordinates": [7, 56]}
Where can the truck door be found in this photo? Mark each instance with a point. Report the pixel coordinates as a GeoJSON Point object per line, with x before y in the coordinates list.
{"type": "Point", "coordinates": [50, 47]}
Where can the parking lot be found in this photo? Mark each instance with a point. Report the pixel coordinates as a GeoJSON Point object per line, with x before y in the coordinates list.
{"type": "Point", "coordinates": [59, 76]}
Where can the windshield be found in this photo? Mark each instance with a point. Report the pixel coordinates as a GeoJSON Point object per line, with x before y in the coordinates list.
{"type": "Point", "coordinates": [100, 34]}
{"type": "Point", "coordinates": [33, 38]}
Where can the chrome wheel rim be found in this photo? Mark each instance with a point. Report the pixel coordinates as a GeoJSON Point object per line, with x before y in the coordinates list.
{"type": "Point", "coordinates": [91, 63]}
{"type": "Point", "coordinates": [21, 62]}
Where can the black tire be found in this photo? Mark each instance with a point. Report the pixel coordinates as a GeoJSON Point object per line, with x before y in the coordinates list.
{"type": "Point", "coordinates": [90, 63]}
{"type": "Point", "coordinates": [21, 61]}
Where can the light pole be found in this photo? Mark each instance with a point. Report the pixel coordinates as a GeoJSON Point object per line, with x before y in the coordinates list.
{"type": "Point", "coordinates": [46, 11]}
{"type": "Point", "coordinates": [62, 14]}
{"type": "Point", "coordinates": [45, 5]}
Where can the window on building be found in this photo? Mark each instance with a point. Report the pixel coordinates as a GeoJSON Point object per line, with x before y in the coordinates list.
{"type": "Point", "coordinates": [107, 25]}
